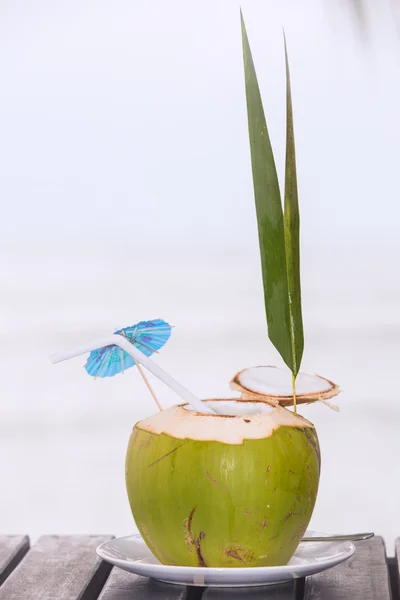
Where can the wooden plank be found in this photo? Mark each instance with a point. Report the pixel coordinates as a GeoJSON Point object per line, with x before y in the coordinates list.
{"type": "Point", "coordinates": [394, 575]}
{"type": "Point", "coordinates": [122, 585]}
{"type": "Point", "coordinates": [12, 550]}
{"type": "Point", "coordinates": [396, 571]}
{"type": "Point", "coordinates": [364, 576]}
{"type": "Point", "coordinates": [59, 568]}
{"type": "Point", "coordinates": [284, 591]}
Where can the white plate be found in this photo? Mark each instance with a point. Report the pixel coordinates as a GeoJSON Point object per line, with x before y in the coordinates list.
{"type": "Point", "coordinates": [131, 553]}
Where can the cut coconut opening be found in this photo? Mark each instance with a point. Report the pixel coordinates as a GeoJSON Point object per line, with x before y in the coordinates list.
{"type": "Point", "coordinates": [237, 421]}
{"type": "Point", "coordinates": [275, 385]}
{"type": "Point", "coordinates": [235, 408]}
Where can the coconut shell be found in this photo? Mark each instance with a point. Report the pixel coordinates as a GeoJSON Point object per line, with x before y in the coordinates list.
{"type": "Point", "coordinates": [227, 490]}
{"type": "Point", "coordinates": [327, 389]}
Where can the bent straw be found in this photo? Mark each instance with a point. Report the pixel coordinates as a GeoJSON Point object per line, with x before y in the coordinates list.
{"type": "Point", "coordinates": [138, 356]}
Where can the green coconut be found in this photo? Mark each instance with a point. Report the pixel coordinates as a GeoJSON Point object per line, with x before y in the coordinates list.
{"type": "Point", "coordinates": [232, 489]}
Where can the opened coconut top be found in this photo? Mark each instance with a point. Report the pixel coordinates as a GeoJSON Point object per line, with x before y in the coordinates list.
{"type": "Point", "coordinates": [233, 421]}
{"type": "Point", "coordinates": [274, 385]}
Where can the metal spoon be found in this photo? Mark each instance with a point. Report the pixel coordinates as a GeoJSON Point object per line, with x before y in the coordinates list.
{"type": "Point", "coordinates": [353, 537]}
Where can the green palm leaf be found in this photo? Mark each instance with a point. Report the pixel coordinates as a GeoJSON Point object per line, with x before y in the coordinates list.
{"type": "Point", "coordinates": [278, 233]}
{"type": "Point", "coordinates": [292, 233]}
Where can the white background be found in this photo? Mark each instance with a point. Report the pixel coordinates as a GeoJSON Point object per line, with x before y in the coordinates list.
{"type": "Point", "coordinates": [126, 194]}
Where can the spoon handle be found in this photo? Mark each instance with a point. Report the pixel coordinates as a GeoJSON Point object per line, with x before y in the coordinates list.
{"type": "Point", "coordinates": [354, 537]}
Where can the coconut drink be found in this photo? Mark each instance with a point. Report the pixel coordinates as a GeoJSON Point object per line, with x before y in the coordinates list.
{"type": "Point", "coordinates": [230, 482]}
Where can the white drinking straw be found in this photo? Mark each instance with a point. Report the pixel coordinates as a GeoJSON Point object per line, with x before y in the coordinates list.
{"type": "Point", "coordinates": [138, 357]}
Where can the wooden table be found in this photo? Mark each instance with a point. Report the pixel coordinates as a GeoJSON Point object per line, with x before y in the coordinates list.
{"type": "Point", "coordinates": [67, 568]}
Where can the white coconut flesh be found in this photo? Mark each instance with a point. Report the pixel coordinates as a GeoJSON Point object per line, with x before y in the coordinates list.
{"type": "Point", "coordinates": [233, 422]}
{"type": "Point", "coordinates": [276, 384]}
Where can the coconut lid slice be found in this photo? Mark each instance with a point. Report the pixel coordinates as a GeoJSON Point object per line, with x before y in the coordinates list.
{"type": "Point", "coordinates": [274, 385]}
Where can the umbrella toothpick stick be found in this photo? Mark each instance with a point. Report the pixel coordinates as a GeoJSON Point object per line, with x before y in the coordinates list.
{"type": "Point", "coordinates": [138, 357]}
{"type": "Point", "coordinates": [147, 382]}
